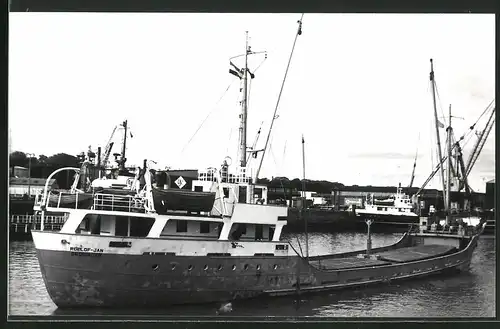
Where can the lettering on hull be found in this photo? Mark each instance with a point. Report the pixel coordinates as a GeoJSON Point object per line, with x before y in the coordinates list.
{"type": "Point", "coordinates": [81, 251]}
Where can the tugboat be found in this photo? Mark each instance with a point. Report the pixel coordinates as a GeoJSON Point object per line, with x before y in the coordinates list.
{"type": "Point", "coordinates": [124, 252]}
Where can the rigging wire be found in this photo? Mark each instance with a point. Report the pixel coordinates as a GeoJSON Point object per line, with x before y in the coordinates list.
{"type": "Point", "coordinates": [249, 92]}
{"type": "Point", "coordinates": [299, 32]}
{"type": "Point", "coordinates": [274, 158]}
{"type": "Point", "coordinates": [440, 103]}
{"type": "Point", "coordinates": [283, 157]}
{"type": "Point", "coordinates": [468, 134]}
{"type": "Point", "coordinates": [210, 113]}
{"type": "Point", "coordinates": [229, 140]}
{"type": "Point", "coordinates": [454, 145]}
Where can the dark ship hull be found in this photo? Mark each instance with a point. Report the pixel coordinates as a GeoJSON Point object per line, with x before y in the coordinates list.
{"type": "Point", "coordinates": [182, 200]}
{"type": "Point", "coordinates": [75, 279]}
{"type": "Point", "coordinates": [320, 220]}
{"type": "Point", "coordinates": [388, 220]}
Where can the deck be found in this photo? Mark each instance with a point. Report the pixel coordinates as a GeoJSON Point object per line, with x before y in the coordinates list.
{"type": "Point", "coordinates": [410, 254]}
{"type": "Point", "coordinates": [345, 263]}
{"type": "Point", "coordinates": [401, 255]}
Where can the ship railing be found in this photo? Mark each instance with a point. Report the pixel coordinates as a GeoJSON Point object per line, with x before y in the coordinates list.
{"type": "Point", "coordinates": [113, 202]}
{"type": "Point", "coordinates": [241, 175]}
{"type": "Point", "coordinates": [209, 175]}
{"type": "Point", "coordinates": [453, 229]}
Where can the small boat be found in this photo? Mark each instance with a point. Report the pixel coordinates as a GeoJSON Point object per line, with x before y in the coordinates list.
{"type": "Point", "coordinates": [185, 200]}
{"type": "Point", "coordinates": [66, 199]}
{"type": "Point", "coordinates": [384, 202]}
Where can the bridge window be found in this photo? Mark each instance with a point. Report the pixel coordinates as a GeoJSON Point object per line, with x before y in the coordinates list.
{"type": "Point", "coordinates": [124, 226]}
{"type": "Point", "coordinates": [259, 232]}
{"type": "Point", "coordinates": [204, 227]}
{"type": "Point", "coordinates": [181, 226]}
{"type": "Point", "coordinates": [226, 192]}
{"type": "Point", "coordinates": [238, 230]}
{"type": "Point", "coordinates": [121, 226]}
{"type": "Point", "coordinates": [198, 188]}
{"type": "Point", "coordinates": [271, 232]}
{"type": "Point", "coordinates": [140, 226]}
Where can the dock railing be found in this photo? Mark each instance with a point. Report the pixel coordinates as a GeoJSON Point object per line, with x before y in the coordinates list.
{"type": "Point", "coordinates": [26, 223]}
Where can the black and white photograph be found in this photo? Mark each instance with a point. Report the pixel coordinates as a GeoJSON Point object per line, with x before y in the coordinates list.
{"type": "Point", "coordinates": [251, 165]}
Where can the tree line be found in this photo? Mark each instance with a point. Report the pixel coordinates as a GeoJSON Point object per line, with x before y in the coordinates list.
{"type": "Point", "coordinates": [318, 186]}
{"type": "Point", "coordinates": [42, 166]}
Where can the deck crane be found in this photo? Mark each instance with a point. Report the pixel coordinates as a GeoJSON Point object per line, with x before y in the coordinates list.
{"type": "Point", "coordinates": [109, 146]}
{"type": "Point", "coordinates": [414, 166]}
{"type": "Point", "coordinates": [483, 136]}
{"type": "Point", "coordinates": [465, 169]}
{"type": "Point", "coordinates": [107, 150]}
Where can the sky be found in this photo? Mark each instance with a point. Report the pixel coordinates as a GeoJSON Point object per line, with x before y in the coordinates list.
{"type": "Point", "coordinates": [358, 89]}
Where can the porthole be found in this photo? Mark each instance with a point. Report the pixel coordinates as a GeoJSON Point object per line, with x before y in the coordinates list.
{"type": "Point", "coordinates": [220, 267]}
{"type": "Point", "coordinates": [155, 267]}
{"type": "Point", "coordinates": [205, 267]}
{"type": "Point", "coordinates": [258, 267]}
{"type": "Point", "coordinates": [275, 266]}
{"type": "Point", "coordinates": [173, 267]}
{"type": "Point", "coordinates": [234, 267]}
{"type": "Point", "coordinates": [190, 267]}
{"type": "Point", "coordinates": [245, 267]}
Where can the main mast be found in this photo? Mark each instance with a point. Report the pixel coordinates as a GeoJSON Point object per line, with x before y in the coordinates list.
{"type": "Point", "coordinates": [244, 109]}
{"type": "Point", "coordinates": [448, 172]}
{"type": "Point", "coordinates": [243, 74]}
{"type": "Point", "coordinates": [440, 156]}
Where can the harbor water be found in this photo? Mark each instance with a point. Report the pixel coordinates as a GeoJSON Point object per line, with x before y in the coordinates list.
{"type": "Point", "coordinates": [468, 294]}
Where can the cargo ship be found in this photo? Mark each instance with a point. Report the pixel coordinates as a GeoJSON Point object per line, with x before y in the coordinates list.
{"type": "Point", "coordinates": [121, 251]}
